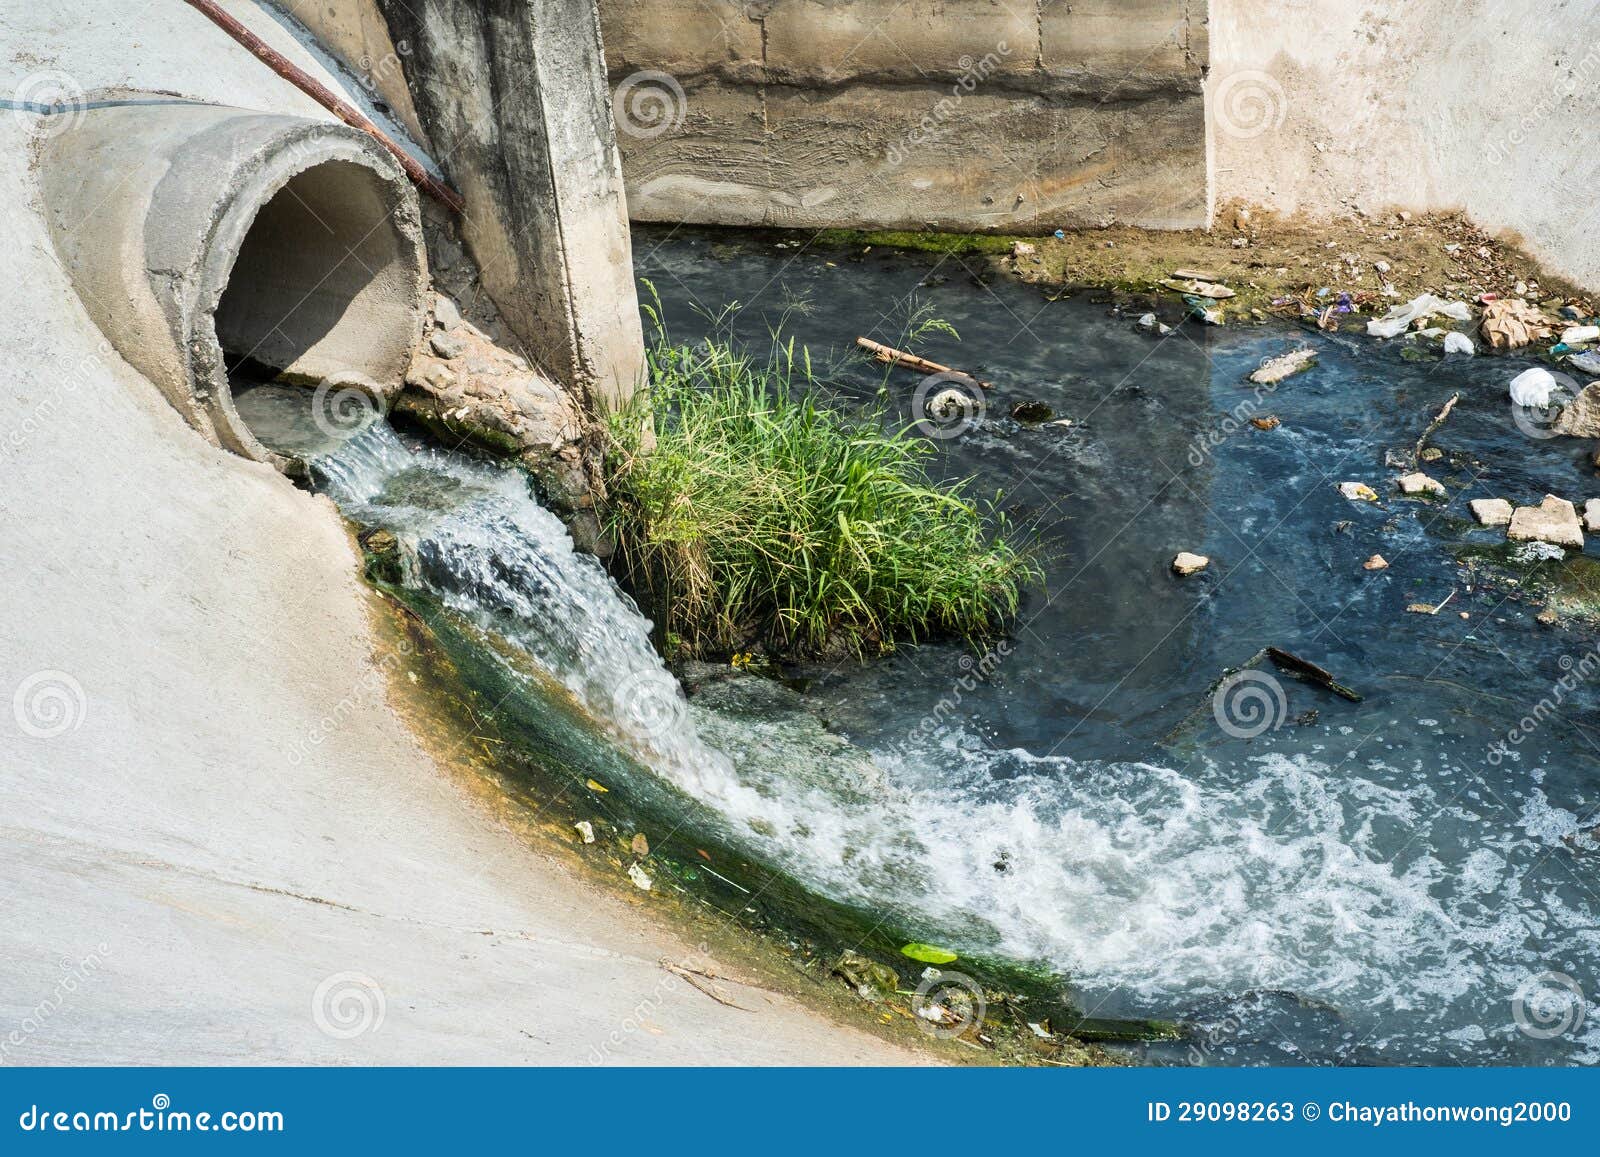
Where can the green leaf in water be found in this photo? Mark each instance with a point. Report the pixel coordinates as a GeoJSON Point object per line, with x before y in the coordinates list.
{"type": "Point", "coordinates": [928, 953]}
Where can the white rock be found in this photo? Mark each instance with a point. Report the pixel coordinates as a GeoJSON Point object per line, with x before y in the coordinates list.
{"type": "Point", "coordinates": [1459, 343]}
{"type": "Point", "coordinates": [445, 314]}
{"type": "Point", "coordinates": [640, 879]}
{"type": "Point", "coordinates": [1554, 521]}
{"type": "Point", "coordinates": [1187, 563]}
{"type": "Point", "coordinates": [1491, 511]}
{"type": "Point", "coordinates": [1420, 483]}
{"type": "Point", "coordinates": [586, 830]}
{"type": "Point", "coordinates": [1591, 516]}
{"type": "Point", "coordinates": [448, 345]}
{"type": "Point", "coordinates": [1532, 387]}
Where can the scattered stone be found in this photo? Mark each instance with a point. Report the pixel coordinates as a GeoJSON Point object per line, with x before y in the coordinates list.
{"type": "Point", "coordinates": [640, 878]}
{"type": "Point", "coordinates": [1187, 563]}
{"type": "Point", "coordinates": [1580, 418]}
{"type": "Point", "coordinates": [1376, 562]}
{"type": "Point", "coordinates": [1553, 521]}
{"type": "Point", "coordinates": [1591, 516]}
{"type": "Point", "coordinates": [1420, 483]}
{"type": "Point", "coordinates": [1021, 249]}
{"type": "Point", "coordinates": [586, 830]}
{"type": "Point", "coordinates": [1275, 370]}
{"type": "Point", "coordinates": [448, 345]}
{"type": "Point", "coordinates": [1358, 492]}
{"type": "Point", "coordinates": [1431, 454]}
{"type": "Point", "coordinates": [1548, 617]}
{"type": "Point", "coordinates": [1491, 511]}
{"type": "Point", "coordinates": [446, 315]}
{"type": "Point", "coordinates": [640, 844]}
{"type": "Point", "coordinates": [487, 396]}
{"type": "Point", "coordinates": [1266, 422]}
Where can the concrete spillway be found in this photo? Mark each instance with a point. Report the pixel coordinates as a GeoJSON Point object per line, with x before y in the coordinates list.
{"type": "Point", "coordinates": [192, 229]}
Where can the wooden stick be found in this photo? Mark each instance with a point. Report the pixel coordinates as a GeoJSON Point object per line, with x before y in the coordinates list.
{"type": "Point", "coordinates": [1416, 454]}
{"type": "Point", "coordinates": [329, 100]}
{"type": "Point", "coordinates": [893, 357]}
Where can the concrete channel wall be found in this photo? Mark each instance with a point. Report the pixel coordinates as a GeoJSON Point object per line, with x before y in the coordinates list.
{"type": "Point", "coordinates": [1487, 106]}
{"type": "Point", "coordinates": [951, 114]}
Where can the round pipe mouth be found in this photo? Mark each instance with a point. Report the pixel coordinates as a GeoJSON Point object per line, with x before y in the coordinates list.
{"type": "Point", "coordinates": [202, 238]}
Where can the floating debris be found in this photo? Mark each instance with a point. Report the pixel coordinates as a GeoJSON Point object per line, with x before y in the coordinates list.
{"type": "Point", "coordinates": [1358, 492]}
{"type": "Point", "coordinates": [1187, 563]}
{"type": "Point", "coordinates": [1376, 562]}
{"type": "Point", "coordinates": [928, 953]}
{"type": "Point", "coordinates": [1275, 370]}
{"type": "Point", "coordinates": [1266, 422]}
{"type": "Point", "coordinates": [1309, 670]}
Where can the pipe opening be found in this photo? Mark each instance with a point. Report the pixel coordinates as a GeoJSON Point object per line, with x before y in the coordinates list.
{"type": "Point", "coordinates": [324, 281]}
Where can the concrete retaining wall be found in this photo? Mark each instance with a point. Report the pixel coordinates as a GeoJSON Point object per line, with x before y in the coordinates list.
{"type": "Point", "coordinates": [954, 114]}
{"type": "Point", "coordinates": [1488, 106]}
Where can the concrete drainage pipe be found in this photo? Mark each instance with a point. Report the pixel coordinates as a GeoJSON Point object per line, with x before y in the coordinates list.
{"type": "Point", "coordinates": [191, 229]}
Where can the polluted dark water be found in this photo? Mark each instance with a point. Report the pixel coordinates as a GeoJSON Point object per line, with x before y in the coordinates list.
{"type": "Point", "coordinates": [1300, 878]}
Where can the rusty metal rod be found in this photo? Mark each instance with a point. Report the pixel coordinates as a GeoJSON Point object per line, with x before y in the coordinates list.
{"type": "Point", "coordinates": [329, 100]}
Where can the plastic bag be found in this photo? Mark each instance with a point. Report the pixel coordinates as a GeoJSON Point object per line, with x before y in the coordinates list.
{"type": "Point", "coordinates": [1399, 318]}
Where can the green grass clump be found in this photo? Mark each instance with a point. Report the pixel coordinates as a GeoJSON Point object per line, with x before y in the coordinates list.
{"type": "Point", "coordinates": [761, 514]}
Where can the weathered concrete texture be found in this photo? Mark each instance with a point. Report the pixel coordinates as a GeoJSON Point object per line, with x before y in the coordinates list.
{"type": "Point", "coordinates": [1482, 105]}
{"type": "Point", "coordinates": [512, 94]}
{"type": "Point", "coordinates": [218, 843]}
{"type": "Point", "coordinates": [355, 32]}
{"type": "Point", "coordinates": [189, 229]}
{"type": "Point", "coordinates": [956, 114]}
